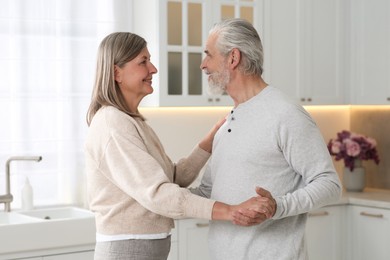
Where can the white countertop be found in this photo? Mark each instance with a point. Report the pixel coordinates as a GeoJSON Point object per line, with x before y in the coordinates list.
{"type": "Point", "coordinates": [369, 198]}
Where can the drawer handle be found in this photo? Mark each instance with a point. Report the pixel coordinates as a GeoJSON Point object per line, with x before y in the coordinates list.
{"type": "Point", "coordinates": [200, 225]}
{"type": "Point", "coordinates": [371, 215]}
{"type": "Point", "coordinates": [319, 214]}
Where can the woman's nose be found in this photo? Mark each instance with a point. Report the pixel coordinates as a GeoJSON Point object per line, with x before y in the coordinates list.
{"type": "Point", "coordinates": [153, 68]}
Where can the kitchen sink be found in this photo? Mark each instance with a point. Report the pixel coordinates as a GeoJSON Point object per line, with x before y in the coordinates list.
{"type": "Point", "coordinates": [44, 230]}
{"type": "Point", "coordinates": [58, 213]}
{"type": "Point", "coordinates": [9, 218]}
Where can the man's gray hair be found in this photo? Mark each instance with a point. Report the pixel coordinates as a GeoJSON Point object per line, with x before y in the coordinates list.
{"type": "Point", "coordinates": [240, 34]}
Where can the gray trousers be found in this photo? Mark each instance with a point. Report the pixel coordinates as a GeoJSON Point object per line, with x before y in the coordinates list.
{"type": "Point", "coordinates": [133, 249]}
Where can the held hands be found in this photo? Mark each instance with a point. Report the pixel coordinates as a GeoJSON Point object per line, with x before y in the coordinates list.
{"type": "Point", "coordinates": [255, 210]}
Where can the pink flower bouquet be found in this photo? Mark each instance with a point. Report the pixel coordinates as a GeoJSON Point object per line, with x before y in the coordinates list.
{"type": "Point", "coordinates": [350, 146]}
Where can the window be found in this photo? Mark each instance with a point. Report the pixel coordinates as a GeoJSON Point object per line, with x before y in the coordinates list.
{"type": "Point", "coordinates": [47, 67]}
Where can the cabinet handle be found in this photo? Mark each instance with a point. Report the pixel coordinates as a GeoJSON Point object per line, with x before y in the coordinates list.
{"type": "Point", "coordinates": [388, 98]}
{"type": "Point", "coordinates": [309, 99]}
{"type": "Point", "coordinates": [303, 99]}
{"type": "Point", "coordinates": [371, 215]}
{"type": "Point", "coordinates": [318, 214]}
{"type": "Point", "coordinates": [210, 100]}
{"type": "Point", "coordinates": [217, 99]}
{"type": "Point", "coordinates": [200, 225]}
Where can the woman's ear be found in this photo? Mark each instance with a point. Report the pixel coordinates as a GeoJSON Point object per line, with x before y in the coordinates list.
{"type": "Point", "coordinates": [117, 74]}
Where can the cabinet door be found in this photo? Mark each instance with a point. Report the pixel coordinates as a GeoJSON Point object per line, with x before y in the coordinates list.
{"type": "Point", "coordinates": [370, 233]}
{"type": "Point", "coordinates": [174, 251]}
{"type": "Point", "coordinates": [324, 233]}
{"type": "Point", "coordinates": [193, 242]}
{"type": "Point", "coordinates": [370, 51]}
{"type": "Point", "coordinates": [304, 55]}
{"type": "Point", "coordinates": [282, 45]}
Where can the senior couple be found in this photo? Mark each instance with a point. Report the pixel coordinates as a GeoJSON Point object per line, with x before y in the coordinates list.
{"type": "Point", "coordinates": [261, 177]}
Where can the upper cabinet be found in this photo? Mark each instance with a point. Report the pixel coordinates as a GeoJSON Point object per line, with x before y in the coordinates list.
{"type": "Point", "coordinates": [318, 52]}
{"type": "Point", "coordinates": [304, 43]}
{"type": "Point", "coordinates": [370, 52]}
{"type": "Point", "coordinates": [183, 28]}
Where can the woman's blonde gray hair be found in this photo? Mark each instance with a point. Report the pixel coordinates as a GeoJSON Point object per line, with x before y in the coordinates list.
{"type": "Point", "coordinates": [115, 49]}
{"type": "Point", "coordinates": [240, 34]}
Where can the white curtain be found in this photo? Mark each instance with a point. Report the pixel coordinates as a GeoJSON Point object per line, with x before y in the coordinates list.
{"type": "Point", "coordinates": [47, 66]}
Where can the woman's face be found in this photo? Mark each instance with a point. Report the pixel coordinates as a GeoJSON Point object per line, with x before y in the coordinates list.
{"type": "Point", "coordinates": [135, 77]}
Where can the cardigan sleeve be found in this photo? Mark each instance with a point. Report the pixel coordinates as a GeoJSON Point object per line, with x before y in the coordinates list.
{"type": "Point", "coordinates": [127, 163]}
{"type": "Point", "coordinates": [188, 169]}
{"type": "Point", "coordinates": [206, 185]}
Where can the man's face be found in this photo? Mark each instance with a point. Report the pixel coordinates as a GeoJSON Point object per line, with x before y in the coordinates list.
{"type": "Point", "coordinates": [215, 66]}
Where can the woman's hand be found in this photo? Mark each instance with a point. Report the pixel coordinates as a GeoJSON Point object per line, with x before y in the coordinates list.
{"type": "Point", "coordinates": [207, 142]}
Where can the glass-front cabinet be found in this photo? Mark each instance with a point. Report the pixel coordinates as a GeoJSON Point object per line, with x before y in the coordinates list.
{"type": "Point", "coordinates": [183, 28]}
{"type": "Point", "coordinates": [317, 52]}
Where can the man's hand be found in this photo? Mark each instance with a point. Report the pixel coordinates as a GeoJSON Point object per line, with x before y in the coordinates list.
{"type": "Point", "coordinates": [255, 210]}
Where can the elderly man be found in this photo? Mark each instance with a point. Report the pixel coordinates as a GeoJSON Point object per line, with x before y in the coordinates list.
{"type": "Point", "coordinates": [267, 141]}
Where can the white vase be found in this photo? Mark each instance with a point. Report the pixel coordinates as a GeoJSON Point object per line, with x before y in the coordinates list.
{"type": "Point", "coordinates": [354, 180]}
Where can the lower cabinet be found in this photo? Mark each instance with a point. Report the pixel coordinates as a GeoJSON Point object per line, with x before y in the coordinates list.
{"type": "Point", "coordinates": [325, 233]}
{"type": "Point", "coordinates": [325, 236]}
{"type": "Point", "coordinates": [339, 232]}
{"type": "Point", "coordinates": [192, 239]}
{"type": "Point", "coordinates": [369, 233]}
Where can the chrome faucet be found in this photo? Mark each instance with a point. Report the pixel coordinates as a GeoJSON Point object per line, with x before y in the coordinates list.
{"type": "Point", "coordinates": [7, 198]}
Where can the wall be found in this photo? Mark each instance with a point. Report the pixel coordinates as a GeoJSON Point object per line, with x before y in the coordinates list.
{"type": "Point", "coordinates": [374, 121]}
{"type": "Point", "coordinates": [181, 128]}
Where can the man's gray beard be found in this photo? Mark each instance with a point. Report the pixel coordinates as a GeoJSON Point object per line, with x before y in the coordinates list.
{"type": "Point", "coordinates": [218, 88]}
{"type": "Point", "coordinates": [215, 89]}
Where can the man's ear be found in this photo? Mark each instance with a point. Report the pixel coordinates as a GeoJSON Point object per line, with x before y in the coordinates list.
{"type": "Point", "coordinates": [235, 57]}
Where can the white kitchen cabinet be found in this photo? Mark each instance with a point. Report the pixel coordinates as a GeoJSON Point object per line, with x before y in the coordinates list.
{"type": "Point", "coordinates": [325, 233]}
{"type": "Point", "coordinates": [304, 48]}
{"type": "Point", "coordinates": [193, 242]}
{"type": "Point", "coordinates": [370, 52]}
{"type": "Point", "coordinates": [304, 45]}
{"type": "Point", "coordinates": [182, 28]}
{"type": "Point", "coordinates": [369, 230]}
{"type": "Point", "coordinates": [318, 52]}
{"type": "Point", "coordinates": [173, 254]}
